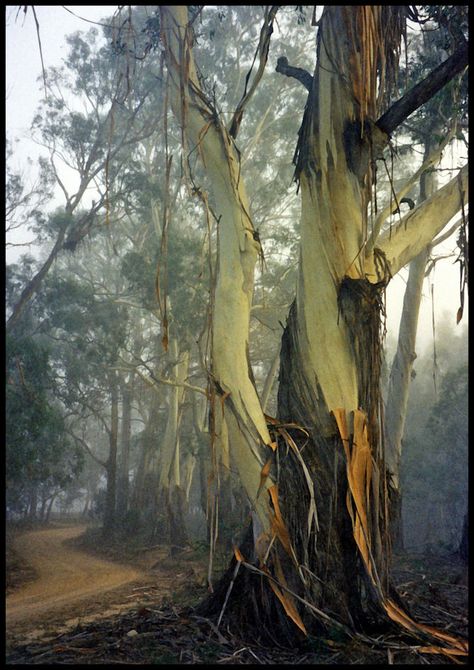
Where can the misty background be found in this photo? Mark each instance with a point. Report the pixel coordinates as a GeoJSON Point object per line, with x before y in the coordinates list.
{"type": "Point", "coordinates": [434, 472]}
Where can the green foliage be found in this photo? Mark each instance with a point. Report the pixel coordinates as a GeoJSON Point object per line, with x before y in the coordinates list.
{"type": "Point", "coordinates": [441, 35]}
{"type": "Point", "coordinates": [37, 449]}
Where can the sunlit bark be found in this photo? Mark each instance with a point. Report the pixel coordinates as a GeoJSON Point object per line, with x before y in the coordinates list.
{"type": "Point", "coordinates": [237, 255]}
{"type": "Point", "coordinates": [169, 448]}
{"type": "Point", "coordinates": [418, 228]}
{"type": "Point", "coordinates": [326, 477]}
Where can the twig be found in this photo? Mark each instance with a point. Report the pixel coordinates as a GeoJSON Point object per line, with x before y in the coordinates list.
{"type": "Point", "coordinates": [231, 585]}
{"type": "Point", "coordinates": [41, 51]}
{"type": "Point", "coordinates": [220, 637]}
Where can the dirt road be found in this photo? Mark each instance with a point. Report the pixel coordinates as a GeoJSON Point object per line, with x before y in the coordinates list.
{"type": "Point", "coordinates": [70, 582]}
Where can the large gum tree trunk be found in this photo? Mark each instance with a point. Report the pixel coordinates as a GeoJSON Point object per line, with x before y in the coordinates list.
{"type": "Point", "coordinates": [315, 478]}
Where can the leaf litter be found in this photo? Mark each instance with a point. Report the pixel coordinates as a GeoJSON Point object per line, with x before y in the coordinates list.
{"type": "Point", "coordinates": [434, 589]}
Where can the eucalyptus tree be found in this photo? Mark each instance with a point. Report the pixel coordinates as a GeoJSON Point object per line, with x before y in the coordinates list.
{"type": "Point", "coordinates": [23, 201]}
{"type": "Point", "coordinates": [78, 315]}
{"type": "Point", "coordinates": [315, 478]}
{"type": "Point", "coordinates": [96, 109]}
{"type": "Point", "coordinates": [41, 459]}
{"type": "Point", "coordinates": [434, 469]}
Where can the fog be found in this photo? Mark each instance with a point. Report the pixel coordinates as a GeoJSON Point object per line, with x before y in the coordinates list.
{"type": "Point", "coordinates": [117, 432]}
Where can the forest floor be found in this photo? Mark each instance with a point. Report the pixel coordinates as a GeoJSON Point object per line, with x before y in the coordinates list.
{"type": "Point", "coordinates": [72, 600]}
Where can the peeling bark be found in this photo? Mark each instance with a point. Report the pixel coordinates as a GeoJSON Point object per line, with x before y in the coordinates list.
{"type": "Point", "coordinates": [326, 508]}
{"type": "Point", "coordinates": [238, 250]}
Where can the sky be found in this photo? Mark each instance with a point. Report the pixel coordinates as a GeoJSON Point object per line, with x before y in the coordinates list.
{"type": "Point", "coordinates": [24, 91]}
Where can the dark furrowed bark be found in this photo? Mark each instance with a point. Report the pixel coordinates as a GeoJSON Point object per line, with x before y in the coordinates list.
{"type": "Point", "coordinates": [252, 609]}
{"type": "Point", "coordinates": [330, 574]}
{"type": "Point", "coordinates": [345, 588]}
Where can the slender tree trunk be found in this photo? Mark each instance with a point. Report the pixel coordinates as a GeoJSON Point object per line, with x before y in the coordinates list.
{"type": "Point", "coordinates": [201, 430]}
{"type": "Point", "coordinates": [50, 505]}
{"type": "Point", "coordinates": [111, 493]}
{"type": "Point", "coordinates": [125, 437]}
{"type": "Point", "coordinates": [169, 462]}
{"type": "Point", "coordinates": [44, 501]}
{"type": "Point", "coordinates": [33, 503]}
{"type": "Point", "coordinates": [145, 482]}
{"type": "Point", "coordinates": [402, 366]}
{"type": "Point", "coordinates": [270, 380]}
{"type": "Point", "coordinates": [85, 509]}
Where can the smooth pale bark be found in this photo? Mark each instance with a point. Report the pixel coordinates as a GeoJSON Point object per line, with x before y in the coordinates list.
{"type": "Point", "coordinates": [418, 228]}
{"type": "Point", "coordinates": [402, 366]}
{"type": "Point", "coordinates": [125, 437]}
{"type": "Point", "coordinates": [201, 430]}
{"type": "Point", "coordinates": [169, 449]}
{"type": "Point", "coordinates": [267, 387]}
{"type": "Point", "coordinates": [331, 481]}
{"type": "Point", "coordinates": [332, 231]}
{"type": "Point", "coordinates": [188, 472]}
{"type": "Point", "coordinates": [237, 255]}
{"type": "Point", "coordinates": [399, 381]}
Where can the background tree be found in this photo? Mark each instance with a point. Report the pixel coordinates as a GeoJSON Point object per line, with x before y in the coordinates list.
{"type": "Point", "coordinates": [433, 127]}
{"type": "Point", "coordinates": [435, 495]}
{"type": "Point", "coordinates": [40, 458]}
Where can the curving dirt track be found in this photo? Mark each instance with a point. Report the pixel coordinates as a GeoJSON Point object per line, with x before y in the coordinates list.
{"type": "Point", "coordinates": [69, 581]}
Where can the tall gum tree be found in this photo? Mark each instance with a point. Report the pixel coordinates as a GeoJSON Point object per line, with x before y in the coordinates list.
{"type": "Point", "coordinates": [316, 477]}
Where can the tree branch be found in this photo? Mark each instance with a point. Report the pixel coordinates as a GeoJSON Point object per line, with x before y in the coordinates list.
{"type": "Point", "coordinates": [424, 91]}
{"type": "Point", "coordinates": [422, 224]}
{"type": "Point", "coordinates": [303, 76]}
{"type": "Point", "coordinates": [84, 444]}
{"type": "Point", "coordinates": [32, 287]}
{"type": "Point", "coordinates": [154, 382]}
{"type": "Point", "coordinates": [433, 158]}
{"type": "Point", "coordinates": [262, 50]}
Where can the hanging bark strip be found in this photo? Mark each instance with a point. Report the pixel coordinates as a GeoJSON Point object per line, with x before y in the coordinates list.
{"type": "Point", "coordinates": [359, 474]}
{"type": "Point", "coordinates": [463, 258]}
{"type": "Point", "coordinates": [262, 51]}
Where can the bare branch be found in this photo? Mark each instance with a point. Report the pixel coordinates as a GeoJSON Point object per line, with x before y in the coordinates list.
{"type": "Point", "coordinates": [417, 228]}
{"type": "Point", "coordinates": [85, 446]}
{"type": "Point", "coordinates": [303, 76]}
{"type": "Point", "coordinates": [262, 50]}
{"type": "Point", "coordinates": [424, 91]}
